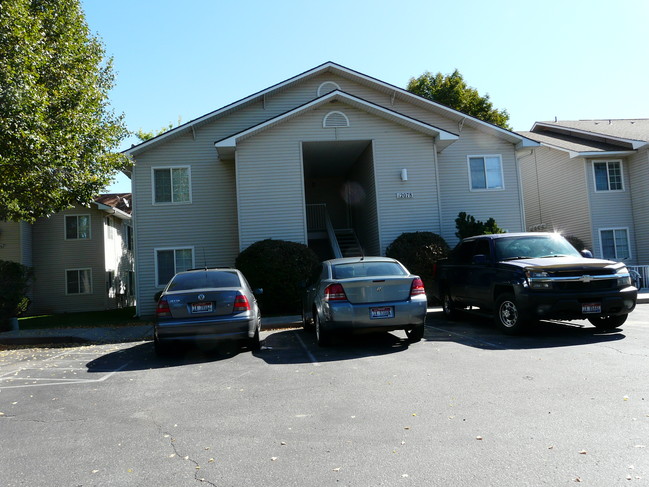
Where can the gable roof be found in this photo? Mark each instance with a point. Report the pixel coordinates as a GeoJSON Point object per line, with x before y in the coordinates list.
{"type": "Point", "coordinates": [226, 146]}
{"type": "Point", "coordinates": [583, 138]}
{"type": "Point", "coordinates": [330, 67]}
{"type": "Point", "coordinates": [119, 204]}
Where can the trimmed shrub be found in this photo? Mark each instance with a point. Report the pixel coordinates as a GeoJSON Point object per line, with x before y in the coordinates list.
{"type": "Point", "coordinates": [278, 267]}
{"type": "Point", "coordinates": [468, 226]}
{"type": "Point", "coordinates": [15, 280]}
{"type": "Point", "coordinates": [419, 251]}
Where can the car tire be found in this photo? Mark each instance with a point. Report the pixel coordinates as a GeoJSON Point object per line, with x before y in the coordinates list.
{"type": "Point", "coordinates": [307, 323]}
{"type": "Point", "coordinates": [416, 333]}
{"type": "Point", "coordinates": [608, 322]}
{"type": "Point", "coordinates": [448, 307]}
{"type": "Point", "coordinates": [508, 316]}
{"type": "Point", "coordinates": [323, 336]}
{"type": "Point", "coordinates": [161, 349]}
{"type": "Point", "coordinates": [254, 343]}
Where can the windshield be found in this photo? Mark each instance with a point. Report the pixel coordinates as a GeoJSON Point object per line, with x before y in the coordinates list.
{"type": "Point", "coordinates": [367, 269]}
{"type": "Point", "coordinates": [525, 247]}
{"type": "Point", "coordinates": [204, 280]}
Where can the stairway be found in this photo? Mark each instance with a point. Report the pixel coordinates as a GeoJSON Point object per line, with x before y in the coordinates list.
{"type": "Point", "coordinates": [348, 243]}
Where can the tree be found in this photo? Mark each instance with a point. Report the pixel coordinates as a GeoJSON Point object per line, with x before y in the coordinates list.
{"type": "Point", "coordinates": [468, 226]}
{"type": "Point", "coordinates": [452, 91]}
{"type": "Point", "coordinates": [56, 128]}
{"type": "Point", "coordinates": [144, 136]}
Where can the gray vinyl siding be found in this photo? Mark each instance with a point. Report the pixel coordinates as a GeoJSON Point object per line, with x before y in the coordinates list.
{"type": "Point", "coordinates": [611, 209]}
{"type": "Point", "coordinates": [26, 252]}
{"type": "Point", "coordinates": [556, 193]}
{"type": "Point", "coordinates": [639, 186]}
{"type": "Point", "coordinates": [53, 254]}
{"type": "Point", "coordinates": [11, 244]}
{"type": "Point", "coordinates": [502, 205]}
{"type": "Point", "coordinates": [269, 172]}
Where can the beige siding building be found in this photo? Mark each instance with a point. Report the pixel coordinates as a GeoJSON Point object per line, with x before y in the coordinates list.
{"type": "Point", "coordinates": [590, 179]}
{"type": "Point", "coordinates": [82, 257]}
{"type": "Point", "coordinates": [330, 152]}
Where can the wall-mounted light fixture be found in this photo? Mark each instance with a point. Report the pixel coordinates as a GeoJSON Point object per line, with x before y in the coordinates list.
{"type": "Point", "coordinates": [404, 174]}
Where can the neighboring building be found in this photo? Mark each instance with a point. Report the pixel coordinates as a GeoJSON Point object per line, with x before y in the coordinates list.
{"type": "Point", "coordinates": [330, 144]}
{"type": "Point", "coordinates": [590, 179]}
{"type": "Point", "coordinates": [82, 257]}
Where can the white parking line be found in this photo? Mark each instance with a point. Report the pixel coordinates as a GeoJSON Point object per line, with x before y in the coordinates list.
{"type": "Point", "coordinates": [312, 358]}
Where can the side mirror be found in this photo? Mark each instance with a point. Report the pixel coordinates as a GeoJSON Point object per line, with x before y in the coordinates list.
{"type": "Point", "coordinates": [157, 296]}
{"type": "Point", "coordinates": [586, 253]}
{"type": "Point", "coordinates": [479, 259]}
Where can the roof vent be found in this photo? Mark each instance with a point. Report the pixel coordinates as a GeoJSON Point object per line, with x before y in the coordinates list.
{"type": "Point", "coordinates": [327, 87]}
{"type": "Point", "coordinates": [335, 120]}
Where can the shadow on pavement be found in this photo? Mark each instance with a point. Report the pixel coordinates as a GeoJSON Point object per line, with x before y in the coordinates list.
{"type": "Point", "coordinates": [478, 331]}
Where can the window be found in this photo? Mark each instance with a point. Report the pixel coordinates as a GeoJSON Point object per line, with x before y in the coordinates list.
{"type": "Point", "coordinates": [171, 185]}
{"type": "Point", "coordinates": [77, 227]}
{"type": "Point", "coordinates": [615, 243]}
{"type": "Point", "coordinates": [78, 281]}
{"type": "Point", "coordinates": [486, 172]}
{"type": "Point", "coordinates": [171, 261]}
{"type": "Point", "coordinates": [608, 176]}
{"type": "Point", "coordinates": [128, 233]}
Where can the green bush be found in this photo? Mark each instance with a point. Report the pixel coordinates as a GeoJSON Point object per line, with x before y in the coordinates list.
{"type": "Point", "coordinates": [576, 242]}
{"type": "Point", "coordinates": [419, 251]}
{"type": "Point", "coordinates": [15, 280]}
{"type": "Point", "coordinates": [468, 226]}
{"type": "Point", "coordinates": [278, 267]}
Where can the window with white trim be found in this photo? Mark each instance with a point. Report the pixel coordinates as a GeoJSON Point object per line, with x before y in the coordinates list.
{"type": "Point", "coordinates": [78, 281]}
{"type": "Point", "coordinates": [486, 173]}
{"type": "Point", "coordinates": [77, 227]}
{"type": "Point", "coordinates": [608, 176]}
{"type": "Point", "coordinates": [615, 243]}
{"type": "Point", "coordinates": [170, 261]}
{"type": "Point", "coordinates": [171, 185]}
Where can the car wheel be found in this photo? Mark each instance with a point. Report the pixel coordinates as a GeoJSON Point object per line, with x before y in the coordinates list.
{"type": "Point", "coordinates": [608, 322]}
{"type": "Point", "coordinates": [160, 348]}
{"type": "Point", "coordinates": [307, 323]}
{"type": "Point", "coordinates": [448, 307]}
{"type": "Point", "coordinates": [508, 316]}
{"type": "Point", "coordinates": [416, 333]}
{"type": "Point", "coordinates": [322, 335]}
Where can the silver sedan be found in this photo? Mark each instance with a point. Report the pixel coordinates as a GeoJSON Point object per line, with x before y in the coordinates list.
{"type": "Point", "coordinates": [364, 294]}
{"type": "Point", "coordinates": [207, 305]}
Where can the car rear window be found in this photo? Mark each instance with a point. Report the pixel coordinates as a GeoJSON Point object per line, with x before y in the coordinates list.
{"type": "Point", "coordinates": [201, 280]}
{"type": "Point", "coordinates": [367, 269]}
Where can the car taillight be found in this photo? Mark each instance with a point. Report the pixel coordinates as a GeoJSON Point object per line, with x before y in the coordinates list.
{"type": "Point", "coordinates": [162, 309]}
{"type": "Point", "coordinates": [241, 304]}
{"type": "Point", "coordinates": [335, 292]}
{"type": "Point", "coordinates": [417, 287]}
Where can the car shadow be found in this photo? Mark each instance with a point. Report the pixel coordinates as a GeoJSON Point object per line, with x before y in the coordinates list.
{"type": "Point", "coordinates": [143, 357]}
{"type": "Point", "coordinates": [478, 331]}
{"type": "Point", "coordinates": [298, 346]}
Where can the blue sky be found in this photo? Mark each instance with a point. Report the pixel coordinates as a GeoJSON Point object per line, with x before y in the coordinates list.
{"type": "Point", "coordinates": [570, 59]}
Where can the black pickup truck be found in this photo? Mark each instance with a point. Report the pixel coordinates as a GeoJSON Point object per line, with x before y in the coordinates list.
{"type": "Point", "coordinates": [521, 278]}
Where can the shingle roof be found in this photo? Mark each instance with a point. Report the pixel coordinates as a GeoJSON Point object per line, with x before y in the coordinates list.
{"type": "Point", "coordinates": [570, 143]}
{"type": "Point", "coordinates": [634, 129]}
{"type": "Point", "coordinates": [119, 201]}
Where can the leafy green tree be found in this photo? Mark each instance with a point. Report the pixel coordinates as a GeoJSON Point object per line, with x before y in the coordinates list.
{"type": "Point", "coordinates": [468, 226]}
{"type": "Point", "coordinates": [452, 91]}
{"type": "Point", "coordinates": [144, 136]}
{"type": "Point", "coordinates": [15, 280]}
{"type": "Point", "coordinates": [57, 130]}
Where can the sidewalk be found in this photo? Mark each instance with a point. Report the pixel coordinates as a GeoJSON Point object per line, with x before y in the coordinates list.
{"type": "Point", "coordinates": [117, 334]}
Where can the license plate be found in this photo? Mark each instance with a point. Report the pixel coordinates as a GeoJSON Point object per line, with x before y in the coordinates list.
{"type": "Point", "coordinates": [201, 307]}
{"type": "Point", "coordinates": [588, 308]}
{"type": "Point", "coordinates": [380, 313]}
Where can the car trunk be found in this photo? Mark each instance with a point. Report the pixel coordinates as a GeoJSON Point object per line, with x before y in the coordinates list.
{"type": "Point", "coordinates": [205, 302]}
{"type": "Point", "coordinates": [360, 291]}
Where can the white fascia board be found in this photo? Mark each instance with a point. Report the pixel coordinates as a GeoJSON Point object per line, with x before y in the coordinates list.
{"type": "Point", "coordinates": [635, 144]}
{"type": "Point", "coordinates": [231, 142]}
{"type": "Point", "coordinates": [592, 154]}
{"type": "Point", "coordinates": [113, 211]}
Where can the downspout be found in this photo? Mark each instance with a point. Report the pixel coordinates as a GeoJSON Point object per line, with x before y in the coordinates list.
{"type": "Point", "coordinates": [521, 201]}
{"type": "Point", "coordinates": [439, 196]}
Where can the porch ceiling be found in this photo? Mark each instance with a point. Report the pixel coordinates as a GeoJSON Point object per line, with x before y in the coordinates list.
{"type": "Point", "coordinates": [330, 159]}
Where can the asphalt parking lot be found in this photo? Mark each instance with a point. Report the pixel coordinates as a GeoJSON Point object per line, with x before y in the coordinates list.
{"type": "Point", "coordinates": [465, 406]}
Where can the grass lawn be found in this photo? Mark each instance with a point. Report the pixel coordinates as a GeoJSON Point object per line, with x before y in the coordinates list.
{"type": "Point", "coordinates": [113, 317]}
